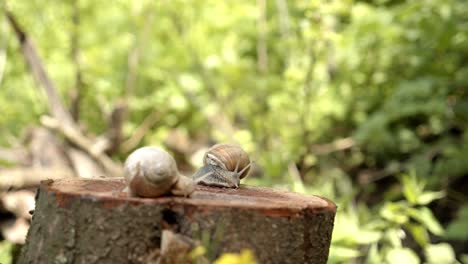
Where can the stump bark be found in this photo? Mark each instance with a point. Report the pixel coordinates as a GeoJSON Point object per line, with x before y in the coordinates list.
{"type": "Point", "coordinates": [93, 221]}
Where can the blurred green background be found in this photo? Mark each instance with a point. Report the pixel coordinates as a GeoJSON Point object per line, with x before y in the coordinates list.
{"type": "Point", "coordinates": [363, 102]}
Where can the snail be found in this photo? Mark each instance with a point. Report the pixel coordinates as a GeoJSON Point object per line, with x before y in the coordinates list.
{"type": "Point", "coordinates": [224, 165]}
{"type": "Point", "coordinates": [152, 172]}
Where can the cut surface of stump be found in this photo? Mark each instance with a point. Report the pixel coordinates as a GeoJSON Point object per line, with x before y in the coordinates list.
{"type": "Point", "coordinates": [94, 221]}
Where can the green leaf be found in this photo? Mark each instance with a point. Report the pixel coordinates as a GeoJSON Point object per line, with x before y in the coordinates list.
{"type": "Point", "coordinates": [343, 253]}
{"type": "Point", "coordinates": [440, 254]}
{"type": "Point", "coordinates": [394, 212]}
{"type": "Point", "coordinates": [6, 249]}
{"type": "Point", "coordinates": [394, 236]}
{"type": "Point", "coordinates": [458, 229]}
{"type": "Point", "coordinates": [424, 216]}
{"type": "Point", "coordinates": [427, 197]}
{"type": "Point", "coordinates": [373, 256]}
{"type": "Point", "coordinates": [401, 255]}
{"type": "Point", "coordinates": [411, 189]}
{"type": "Point", "coordinates": [419, 234]}
{"type": "Point", "coordinates": [368, 237]}
{"type": "Point", "coordinates": [464, 258]}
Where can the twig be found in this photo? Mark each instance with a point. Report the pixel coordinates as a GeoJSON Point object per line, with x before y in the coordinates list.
{"type": "Point", "coordinates": [30, 54]}
{"type": "Point", "coordinates": [305, 113]}
{"type": "Point", "coordinates": [262, 52]}
{"type": "Point", "coordinates": [141, 131]}
{"type": "Point", "coordinates": [284, 25]}
{"type": "Point", "coordinates": [298, 183]}
{"type": "Point", "coordinates": [83, 165]}
{"type": "Point", "coordinates": [27, 177]}
{"type": "Point", "coordinates": [3, 59]}
{"type": "Point", "coordinates": [62, 121]}
{"type": "Point", "coordinates": [337, 145]}
{"type": "Point", "coordinates": [283, 16]}
{"type": "Point", "coordinates": [3, 43]}
{"type": "Point", "coordinates": [14, 155]}
{"type": "Point", "coordinates": [218, 120]}
{"type": "Point", "coordinates": [132, 62]}
{"type": "Point", "coordinates": [77, 92]}
{"type": "Point", "coordinates": [113, 136]}
{"type": "Point", "coordinates": [84, 143]}
{"type": "Point", "coordinates": [121, 110]}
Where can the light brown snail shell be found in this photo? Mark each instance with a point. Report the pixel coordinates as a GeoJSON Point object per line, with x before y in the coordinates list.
{"type": "Point", "coordinates": [229, 155]}
{"type": "Point", "coordinates": [224, 165]}
{"type": "Point", "coordinates": [152, 172]}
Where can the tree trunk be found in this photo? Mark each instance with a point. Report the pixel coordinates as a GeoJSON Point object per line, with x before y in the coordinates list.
{"type": "Point", "coordinates": [93, 221]}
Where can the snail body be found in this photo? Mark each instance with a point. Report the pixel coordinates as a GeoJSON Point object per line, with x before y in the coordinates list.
{"type": "Point", "coordinates": [224, 165]}
{"type": "Point", "coordinates": [152, 172]}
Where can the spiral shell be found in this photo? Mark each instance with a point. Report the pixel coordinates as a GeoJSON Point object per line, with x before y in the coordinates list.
{"type": "Point", "coordinates": [152, 172]}
{"type": "Point", "coordinates": [224, 165]}
{"type": "Point", "coordinates": [228, 155]}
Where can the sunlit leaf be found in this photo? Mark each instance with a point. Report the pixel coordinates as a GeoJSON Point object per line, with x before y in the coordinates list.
{"type": "Point", "coordinates": [197, 252]}
{"type": "Point", "coordinates": [344, 253]}
{"type": "Point", "coordinates": [427, 197]}
{"type": "Point", "coordinates": [401, 255]}
{"type": "Point", "coordinates": [411, 189]}
{"type": "Point", "coordinates": [419, 234]}
{"type": "Point", "coordinates": [6, 249]}
{"type": "Point", "coordinates": [244, 257]}
{"type": "Point", "coordinates": [373, 256]}
{"type": "Point", "coordinates": [426, 218]}
{"type": "Point", "coordinates": [395, 237]}
{"type": "Point", "coordinates": [440, 254]}
{"type": "Point", "coordinates": [394, 212]}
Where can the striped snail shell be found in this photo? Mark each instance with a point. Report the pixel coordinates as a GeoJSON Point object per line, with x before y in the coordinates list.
{"type": "Point", "coordinates": [224, 165]}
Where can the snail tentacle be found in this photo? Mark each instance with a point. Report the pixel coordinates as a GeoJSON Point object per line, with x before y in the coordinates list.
{"type": "Point", "coordinates": [244, 169]}
{"type": "Point", "coordinates": [215, 161]}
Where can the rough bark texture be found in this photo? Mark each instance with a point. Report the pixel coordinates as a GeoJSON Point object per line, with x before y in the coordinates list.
{"type": "Point", "coordinates": [93, 221]}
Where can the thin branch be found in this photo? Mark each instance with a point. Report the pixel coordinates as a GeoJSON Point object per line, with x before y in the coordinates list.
{"type": "Point", "coordinates": [298, 182]}
{"type": "Point", "coordinates": [14, 156]}
{"type": "Point", "coordinates": [3, 60]}
{"type": "Point", "coordinates": [32, 58]}
{"type": "Point", "coordinates": [113, 136]}
{"type": "Point", "coordinates": [262, 52]}
{"type": "Point", "coordinates": [83, 165]}
{"type": "Point", "coordinates": [27, 177]}
{"type": "Point", "coordinates": [305, 113]}
{"type": "Point", "coordinates": [337, 145]}
{"type": "Point", "coordinates": [77, 92]}
{"type": "Point", "coordinates": [307, 93]}
{"type": "Point", "coordinates": [85, 144]}
{"type": "Point", "coordinates": [62, 121]}
{"type": "Point", "coordinates": [218, 120]}
{"type": "Point", "coordinates": [3, 41]}
{"type": "Point", "coordinates": [197, 61]}
{"type": "Point", "coordinates": [141, 131]}
{"type": "Point", "coordinates": [3, 54]}
{"type": "Point", "coordinates": [285, 26]}
{"type": "Point", "coordinates": [132, 62]}
{"type": "Point", "coordinates": [283, 15]}
{"type": "Point", "coordinates": [121, 110]}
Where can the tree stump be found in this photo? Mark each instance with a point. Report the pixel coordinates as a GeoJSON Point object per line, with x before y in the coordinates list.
{"type": "Point", "coordinates": [94, 221]}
